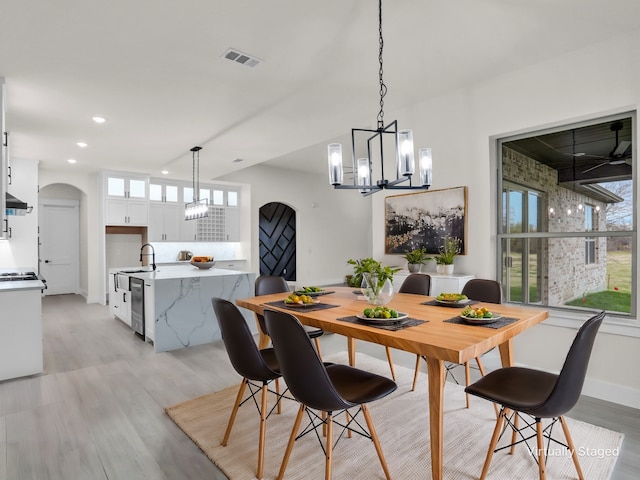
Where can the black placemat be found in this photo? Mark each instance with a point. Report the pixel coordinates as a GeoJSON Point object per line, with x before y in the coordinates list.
{"type": "Point", "coordinates": [400, 325]}
{"type": "Point", "coordinates": [310, 308]}
{"type": "Point", "coordinates": [501, 322]}
{"type": "Point", "coordinates": [435, 303]}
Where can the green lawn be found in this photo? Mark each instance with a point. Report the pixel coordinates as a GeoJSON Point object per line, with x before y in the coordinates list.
{"type": "Point", "coordinates": [616, 297]}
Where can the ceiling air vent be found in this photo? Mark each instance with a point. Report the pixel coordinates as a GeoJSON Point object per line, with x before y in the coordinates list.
{"type": "Point", "coordinates": [239, 57]}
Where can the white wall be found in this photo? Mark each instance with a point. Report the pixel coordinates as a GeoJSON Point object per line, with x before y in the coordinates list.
{"type": "Point", "coordinates": [459, 127]}
{"type": "Point", "coordinates": [332, 225]}
{"type": "Point", "coordinates": [21, 250]}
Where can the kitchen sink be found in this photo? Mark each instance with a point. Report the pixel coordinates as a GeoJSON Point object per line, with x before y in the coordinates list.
{"type": "Point", "coordinates": [135, 271]}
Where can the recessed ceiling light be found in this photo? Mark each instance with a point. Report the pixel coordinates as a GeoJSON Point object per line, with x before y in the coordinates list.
{"type": "Point", "coordinates": [98, 119]}
{"type": "Point", "coordinates": [81, 144]}
{"type": "Point", "coordinates": [165, 172]}
{"type": "Point", "coordinates": [71, 160]}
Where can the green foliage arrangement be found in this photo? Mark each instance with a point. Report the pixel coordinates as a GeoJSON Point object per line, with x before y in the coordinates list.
{"type": "Point", "coordinates": [369, 265]}
{"type": "Point", "coordinates": [417, 256]}
{"type": "Point", "coordinates": [448, 251]}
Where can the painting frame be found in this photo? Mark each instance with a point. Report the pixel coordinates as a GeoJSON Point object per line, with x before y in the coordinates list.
{"type": "Point", "coordinates": [423, 220]}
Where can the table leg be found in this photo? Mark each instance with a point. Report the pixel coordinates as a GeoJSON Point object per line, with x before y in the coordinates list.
{"type": "Point", "coordinates": [506, 353]}
{"type": "Point", "coordinates": [436, 376]}
{"type": "Point", "coordinates": [263, 338]}
{"type": "Point", "coordinates": [351, 348]}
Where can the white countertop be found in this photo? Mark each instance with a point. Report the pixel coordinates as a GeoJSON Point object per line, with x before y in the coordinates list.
{"type": "Point", "coordinates": [12, 286]}
{"type": "Point", "coordinates": [168, 272]}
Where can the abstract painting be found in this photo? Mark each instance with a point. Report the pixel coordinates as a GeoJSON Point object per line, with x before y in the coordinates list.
{"type": "Point", "coordinates": [425, 219]}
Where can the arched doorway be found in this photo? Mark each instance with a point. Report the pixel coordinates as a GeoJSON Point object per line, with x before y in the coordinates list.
{"type": "Point", "coordinates": [277, 236]}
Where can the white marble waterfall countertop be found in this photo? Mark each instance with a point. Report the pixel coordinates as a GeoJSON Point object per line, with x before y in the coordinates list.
{"type": "Point", "coordinates": [171, 272]}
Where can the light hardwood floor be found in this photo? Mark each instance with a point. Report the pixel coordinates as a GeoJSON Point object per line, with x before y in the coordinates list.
{"type": "Point", "coordinates": [98, 410]}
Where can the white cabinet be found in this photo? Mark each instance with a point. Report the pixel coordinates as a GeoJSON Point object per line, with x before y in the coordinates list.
{"type": "Point", "coordinates": [120, 297]}
{"type": "Point", "coordinates": [448, 283]}
{"type": "Point", "coordinates": [232, 224]}
{"type": "Point", "coordinates": [164, 222]}
{"type": "Point", "coordinates": [21, 340]}
{"type": "Point", "coordinates": [126, 212]}
{"type": "Point", "coordinates": [188, 229]}
{"type": "Point", "coordinates": [439, 283]}
{"type": "Point", "coordinates": [126, 200]}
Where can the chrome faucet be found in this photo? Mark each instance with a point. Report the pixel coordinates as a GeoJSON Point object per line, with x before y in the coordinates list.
{"type": "Point", "coordinates": [153, 254]}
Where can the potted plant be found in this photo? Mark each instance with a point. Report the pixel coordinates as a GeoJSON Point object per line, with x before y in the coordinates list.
{"type": "Point", "coordinates": [375, 279]}
{"type": "Point", "coordinates": [416, 258]}
{"type": "Point", "coordinates": [448, 251]}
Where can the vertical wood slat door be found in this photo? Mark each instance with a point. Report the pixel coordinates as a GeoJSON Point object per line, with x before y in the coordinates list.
{"type": "Point", "coordinates": [277, 236]}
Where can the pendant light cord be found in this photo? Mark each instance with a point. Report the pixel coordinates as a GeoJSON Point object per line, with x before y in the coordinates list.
{"type": "Point", "coordinates": [383, 87]}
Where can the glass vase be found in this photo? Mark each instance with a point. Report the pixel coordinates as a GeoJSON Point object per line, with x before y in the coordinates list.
{"type": "Point", "coordinates": [377, 292]}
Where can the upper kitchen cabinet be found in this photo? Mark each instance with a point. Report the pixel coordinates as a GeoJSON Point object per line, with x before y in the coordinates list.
{"type": "Point", "coordinates": [126, 200]}
{"type": "Point", "coordinates": [165, 212]}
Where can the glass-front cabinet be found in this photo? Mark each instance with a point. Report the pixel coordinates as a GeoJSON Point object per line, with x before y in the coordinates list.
{"type": "Point", "coordinates": [126, 200]}
{"type": "Point", "coordinates": [159, 205]}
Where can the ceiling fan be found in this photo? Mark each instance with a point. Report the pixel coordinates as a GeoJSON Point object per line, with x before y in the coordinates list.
{"type": "Point", "coordinates": [619, 153]}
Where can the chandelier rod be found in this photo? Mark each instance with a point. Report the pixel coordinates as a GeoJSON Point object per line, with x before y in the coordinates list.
{"type": "Point", "coordinates": [383, 86]}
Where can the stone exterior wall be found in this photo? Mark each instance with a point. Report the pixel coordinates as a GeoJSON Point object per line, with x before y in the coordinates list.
{"type": "Point", "coordinates": [564, 275]}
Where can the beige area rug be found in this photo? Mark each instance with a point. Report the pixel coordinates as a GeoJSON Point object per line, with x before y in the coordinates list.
{"type": "Point", "coordinates": [401, 421]}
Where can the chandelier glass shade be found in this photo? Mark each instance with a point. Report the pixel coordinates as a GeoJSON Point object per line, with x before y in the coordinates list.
{"type": "Point", "coordinates": [198, 208]}
{"type": "Point", "coordinates": [369, 147]}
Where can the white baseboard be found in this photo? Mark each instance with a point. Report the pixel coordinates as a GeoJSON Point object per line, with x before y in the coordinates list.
{"type": "Point", "coordinates": [611, 392]}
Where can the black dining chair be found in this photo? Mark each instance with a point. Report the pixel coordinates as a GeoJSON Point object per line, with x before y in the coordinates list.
{"type": "Point", "coordinates": [258, 369]}
{"type": "Point", "coordinates": [268, 284]}
{"type": "Point", "coordinates": [482, 290]}
{"type": "Point", "coordinates": [328, 388]}
{"type": "Point", "coordinates": [538, 394]}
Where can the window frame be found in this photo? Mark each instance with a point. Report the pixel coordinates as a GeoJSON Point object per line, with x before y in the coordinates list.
{"type": "Point", "coordinates": [502, 233]}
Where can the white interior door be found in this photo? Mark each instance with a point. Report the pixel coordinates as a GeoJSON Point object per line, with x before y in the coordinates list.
{"type": "Point", "coordinates": [59, 251]}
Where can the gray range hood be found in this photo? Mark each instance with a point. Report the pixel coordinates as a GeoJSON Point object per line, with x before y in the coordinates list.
{"type": "Point", "coordinates": [15, 204]}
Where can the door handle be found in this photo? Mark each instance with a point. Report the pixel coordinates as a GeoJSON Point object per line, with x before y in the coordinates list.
{"type": "Point", "coordinates": [47, 261]}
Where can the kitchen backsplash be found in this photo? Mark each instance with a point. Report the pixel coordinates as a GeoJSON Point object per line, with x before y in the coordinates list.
{"type": "Point", "coordinates": [167, 252]}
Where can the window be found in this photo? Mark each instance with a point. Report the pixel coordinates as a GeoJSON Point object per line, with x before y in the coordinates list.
{"type": "Point", "coordinates": [567, 232]}
{"type": "Point", "coordinates": [232, 198]}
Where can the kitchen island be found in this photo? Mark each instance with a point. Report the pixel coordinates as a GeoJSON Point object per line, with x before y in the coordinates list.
{"type": "Point", "coordinates": [177, 303]}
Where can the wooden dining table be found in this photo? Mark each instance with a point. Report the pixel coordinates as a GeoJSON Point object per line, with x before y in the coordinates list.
{"type": "Point", "coordinates": [439, 339]}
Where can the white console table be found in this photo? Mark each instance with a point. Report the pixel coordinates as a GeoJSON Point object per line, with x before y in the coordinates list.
{"type": "Point", "coordinates": [439, 283]}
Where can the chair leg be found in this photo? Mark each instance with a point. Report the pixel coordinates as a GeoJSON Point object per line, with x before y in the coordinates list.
{"type": "Point", "coordinates": [376, 441]}
{"type": "Point", "coordinates": [278, 394]}
{"type": "Point", "coordinates": [232, 418]}
{"type": "Point", "coordinates": [292, 439]}
{"type": "Point", "coordinates": [263, 430]}
{"type": "Point", "coordinates": [540, 444]}
{"type": "Point", "coordinates": [572, 448]}
{"type": "Point", "coordinates": [329, 447]}
{"type": "Point", "coordinates": [393, 372]}
{"type": "Point", "coordinates": [492, 444]}
{"type": "Point", "coordinates": [467, 379]}
{"type": "Point", "coordinates": [317, 342]}
{"type": "Point", "coordinates": [415, 375]}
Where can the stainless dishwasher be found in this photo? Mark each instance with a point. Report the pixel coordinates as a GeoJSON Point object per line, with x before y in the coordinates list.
{"type": "Point", "coordinates": [136, 286]}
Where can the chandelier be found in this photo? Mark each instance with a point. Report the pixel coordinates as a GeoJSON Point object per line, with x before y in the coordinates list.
{"type": "Point", "coordinates": [198, 208]}
{"type": "Point", "coordinates": [368, 147]}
